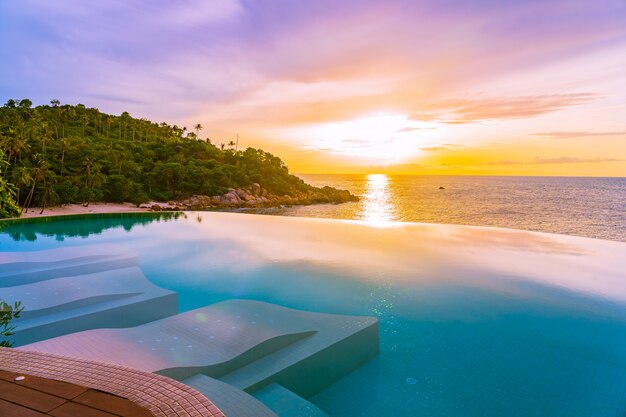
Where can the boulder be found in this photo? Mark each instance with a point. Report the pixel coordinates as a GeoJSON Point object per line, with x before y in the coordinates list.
{"type": "Point", "coordinates": [198, 202]}
{"type": "Point", "coordinates": [242, 193]}
{"type": "Point", "coordinates": [256, 189]}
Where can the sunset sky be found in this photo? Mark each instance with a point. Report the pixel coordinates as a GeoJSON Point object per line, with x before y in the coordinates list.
{"type": "Point", "coordinates": [435, 87]}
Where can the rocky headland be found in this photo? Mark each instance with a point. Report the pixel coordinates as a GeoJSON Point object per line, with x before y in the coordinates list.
{"type": "Point", "coordinates": [254, 196]}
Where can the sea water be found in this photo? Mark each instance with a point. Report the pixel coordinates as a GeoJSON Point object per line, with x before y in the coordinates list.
{"type": "Point", "coordinates": [580, 206]}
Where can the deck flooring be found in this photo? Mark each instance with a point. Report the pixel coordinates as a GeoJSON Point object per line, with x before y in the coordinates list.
{"type": "Point", "coordinates": [80, 388]}
{"type": "Point", "coordinates": [37, 397]}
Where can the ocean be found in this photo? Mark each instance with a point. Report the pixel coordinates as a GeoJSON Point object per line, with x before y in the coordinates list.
{"type": "Point", "coordinates": [580, 206]}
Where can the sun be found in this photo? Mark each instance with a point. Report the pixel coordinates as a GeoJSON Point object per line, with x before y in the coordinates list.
{"type": "Point", "coordinates": [379, 138]}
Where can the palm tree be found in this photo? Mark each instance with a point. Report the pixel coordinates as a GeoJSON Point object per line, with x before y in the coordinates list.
{"type": "Point", "coordinates": [38, 173]}
{"type": "Point", "coordinates": [198, 128]}
{"type": "Point", "coordinates": [84, 119]}
{"type": "Point", "coordinates": [57, 116]}
{"type": "Point", "coordinates": [21, 178]}
{"type": "Point", "coordinates": [231, 144]}
{"type": "Point", "coordinates": [14, 144]}
{"type": "Point", "coordinates": [87, 163]}
{"type": "Point", "coordinates": [4, 163]}
{"type": "Point", "coordinates": [108, 121]}
{"type": "Point", "coordinates": [44, 135]}
{"type": "Point", "coordinates": [72, 116]}
{"type": "Point", "coordinates": [48, 193]}
{"type": "Point", "coordinates": [64, 143]}
{"type": "Point", "coordinates": [97, 178]}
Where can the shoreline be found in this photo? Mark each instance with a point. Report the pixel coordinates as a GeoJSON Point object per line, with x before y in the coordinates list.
{"type": "Point", "coordinates": [93, 208]}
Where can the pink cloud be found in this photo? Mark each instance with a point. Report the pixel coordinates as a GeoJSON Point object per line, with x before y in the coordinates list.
{"type": "Point", "coordinates": [471, 111]}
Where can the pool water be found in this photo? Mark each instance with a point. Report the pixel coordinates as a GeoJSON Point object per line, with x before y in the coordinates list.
{"type": "Point", "coordinates": [473, 322]}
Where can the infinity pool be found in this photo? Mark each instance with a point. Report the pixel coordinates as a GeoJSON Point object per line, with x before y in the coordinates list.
{"type": "Point", "coordinates": [473, 321]}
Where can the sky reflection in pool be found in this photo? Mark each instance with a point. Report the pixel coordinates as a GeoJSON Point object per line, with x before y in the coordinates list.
{"type": "Point", "coordinates": [482, 322]}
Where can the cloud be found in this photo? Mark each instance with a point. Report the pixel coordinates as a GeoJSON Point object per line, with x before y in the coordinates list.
{"type": "Point", "coordinates": [439, 148]}
{"type": "Point", "coordinates": [577, 134]}
{"type": "Point", "coordinates": [463, 111]}
{"type": "Point", "coordinates": [411, 129]}
{"type": "Point", "coordinates": [560, 160]}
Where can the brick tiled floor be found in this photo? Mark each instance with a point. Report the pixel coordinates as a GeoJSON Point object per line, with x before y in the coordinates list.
{"type": "Point", "coordinates": [162, 396]}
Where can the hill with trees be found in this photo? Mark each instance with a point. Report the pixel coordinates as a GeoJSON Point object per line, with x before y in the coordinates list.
{"type": "Point", "coordinates": [59, 154]}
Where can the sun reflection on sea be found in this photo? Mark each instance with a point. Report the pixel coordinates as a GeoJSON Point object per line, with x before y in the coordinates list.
{"type": "Point", "coordinates": [378, 208]}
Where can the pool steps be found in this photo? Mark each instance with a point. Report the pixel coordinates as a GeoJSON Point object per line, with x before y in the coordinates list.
{"type": "Point", "coordinates": [19, 268]}
{"type": "Point", "coordinates": [232, 401]}
{"type": "Point", "coordinates": [72, 289]}
{"type": "Point", "coordinates": [95, 303]}
{"type": "Point", "coordinates": [247, 345]}
{"type": "Point", "coordinates": [286, 403]}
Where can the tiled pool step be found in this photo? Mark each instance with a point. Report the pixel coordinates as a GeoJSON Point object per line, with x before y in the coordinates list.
{"type": "Point", "coordinates": [73, 289]}
{"type": "Point", "coordinates": [232, 401]}
{"type": "Point", "coordinates": [162, 396]}
{"type": "Point", "coordinates": [19, 268]}
{"type": "Point", "coordinates": [339, 345]}
{"type": "Point", "coordinates": [286, 403]}
{"type": "Point", "coordinates": [228, 337]}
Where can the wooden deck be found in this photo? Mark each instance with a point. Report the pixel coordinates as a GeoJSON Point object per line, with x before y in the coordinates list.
{"type": "Point", "coordinates": [60, 386]}
{"type": "Point", "coordinates": [31, 396]}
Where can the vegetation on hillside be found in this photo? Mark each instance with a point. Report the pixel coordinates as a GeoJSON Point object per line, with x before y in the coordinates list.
{"type": "Point", "coordinates": [58, 154]}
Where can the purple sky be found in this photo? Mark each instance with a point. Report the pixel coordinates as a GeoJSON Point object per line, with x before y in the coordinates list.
{"type": "Point", "coordinates": [271, 69]}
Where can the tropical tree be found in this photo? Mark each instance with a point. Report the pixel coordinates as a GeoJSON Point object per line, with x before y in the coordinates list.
{"type": "Point", "coordinates": [14, 144]}
{"type": "Point", "coordinates": [198, 128]}
{"type": "Point", "coordinates": [21, 178]}
{"type": "Point", "coordinates": [94, 183]}
{"type": "Point", "coordinates": [38, 173]}
{"type": "Point", "coordinates": [8, 208]}
{"type": "Point", "coordinates": [84, 120]}
{"type": "Point", "coordinates": [48, 193]}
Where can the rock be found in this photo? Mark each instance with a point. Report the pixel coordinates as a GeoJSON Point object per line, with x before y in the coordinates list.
{"type": "Point", "coordinates": [242, 193]}
{"type": "Point", "coordinates": [256, 189]}
{"type": "Point", "coordinates": [441, 188]}
{"type": "Point", "coordinates": [196, 202]}
{"type": "Point", "coordinates": [216, 200]}
{"type": "Point", "coordinates": [231, 198]}
{"type": "Point", "coordinates": [155, 207]}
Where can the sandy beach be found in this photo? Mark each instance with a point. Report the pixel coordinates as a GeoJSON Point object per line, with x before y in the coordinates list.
{"type": "Point", "coordinates": [80, 209]}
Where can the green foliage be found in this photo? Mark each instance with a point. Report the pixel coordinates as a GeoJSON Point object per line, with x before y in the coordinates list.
{"type": "Point", "coordinates": [61, 154]}
{"type": "Point", "coordinates": [8, 207]}
{"type": "Point", "coordinates": [8, 312]}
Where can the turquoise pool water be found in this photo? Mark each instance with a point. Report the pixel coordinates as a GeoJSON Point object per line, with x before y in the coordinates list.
{"type": "Point", "coordinates": [473, 322]}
